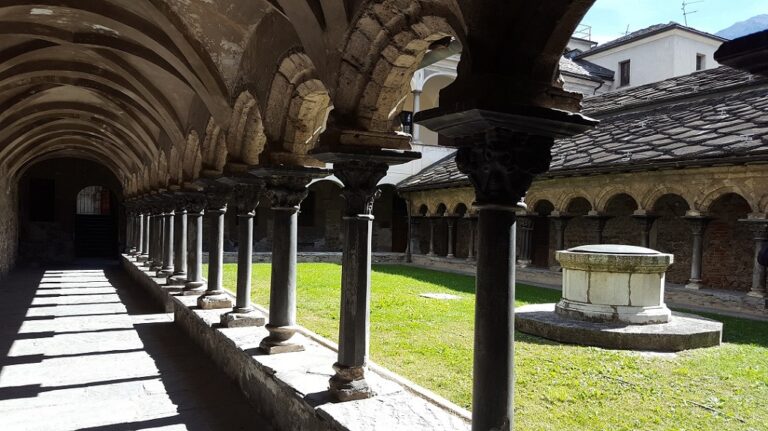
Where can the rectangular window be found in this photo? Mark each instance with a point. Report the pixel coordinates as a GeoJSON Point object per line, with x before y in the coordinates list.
{"type": "Point", "coordinates": [700, 65]}
{"type": "Point", "coordinates": [42, 203]}
{"type": "Point", "coordinates": [624, 73]}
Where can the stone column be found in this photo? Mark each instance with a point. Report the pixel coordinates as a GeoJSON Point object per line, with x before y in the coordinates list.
{"type": "Point", "coordinates": [180, 243]}
{"type": "Point", "coordinates": [559, 223]}
{"type": "Point", "coordinates": [145, 257]}
{"type": "Point", "coordinates": [285, 194]}
{"type": "Point", "coordinates": [451, 221]}
{"type": "Point", "coordinates": [195, 205]}
{"type": "Point", "coordinates": [246, 198]}
{"type": "Point", "coordinates": [600, 221]}
{"type": "Point", "coordinates": [698, 226]}
{"type": "Point", "coordinates": [409, 243]}
{"type": "Point", "coordinates": [359, 179]}
{"type": "Point", "coordinates": [645, 222]}
{"type": "Point", "coordinates": [525, 232]}
{"type": "Point", "coordinates": [500, 156]}
{"type": "Point", "coordinates": [157, 241]}
{"type": "Point", "coordinates": [431, 236]}
{"type": "Point", "coordinates": [140, 235]}
{"type": "Point", "coordinates": [130, 217]}
{"type": "Point", "coordinates": [168, 243]}
{"type": "Point", "coordinates": [215, 296]}
{"type": "Point", "coordinates": [472, 228]}
{"type": "Point", "coordinates": [759, 229]}
{"type": "Point", "coordinates": [416, 108]}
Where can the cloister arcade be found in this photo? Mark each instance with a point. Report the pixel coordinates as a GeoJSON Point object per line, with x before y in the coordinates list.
{"type": "Point", "coordinates": [663, 210]}
{"type": "Point", "coordinates": [202, 108]}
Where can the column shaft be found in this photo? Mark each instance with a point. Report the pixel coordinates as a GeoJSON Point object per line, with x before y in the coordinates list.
{"type": "Point", "coordinates": [145, 242]}
{"type": "Point", "coordinates": [431, 237]}
{"type": "Point", "coordinates": [168, 244]}
{"type": "Point", "coordinates": [493, 375]}
{"type": "Point", "coordinates": [471, 247]}
{"type": "Point", "coordinates": [450, 238]}
{"type": "Point", "coordinates": [180, 244]}
{"type": "Point", "coordinates": [195, 284]}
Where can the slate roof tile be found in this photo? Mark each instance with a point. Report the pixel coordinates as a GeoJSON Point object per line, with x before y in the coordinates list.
{"type": "Point", "coordinates": [729, 119]}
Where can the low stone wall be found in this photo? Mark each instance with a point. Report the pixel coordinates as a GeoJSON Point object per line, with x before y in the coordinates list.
{"type": "Point", "coordinates": [290, 389]}
{"type": "Point", "coordinates": [313, 256]}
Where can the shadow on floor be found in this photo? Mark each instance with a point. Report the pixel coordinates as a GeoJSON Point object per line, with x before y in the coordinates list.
{"type": "Point", "coordinates": [124, 369]}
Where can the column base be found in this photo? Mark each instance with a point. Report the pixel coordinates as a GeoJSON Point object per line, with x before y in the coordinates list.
{"type": "Point", "coordinates": [556, 268]}
{"type": "Point", "coordinates": [450, 256]}
{"type": "Point", "coordinates": [349, 384]}
{"type": "Point", "coordinates": [430, 255]}
{"type": "Point", "coordinates": [214, 301]}
{"type": "Point", "coordinates": [694, 284]}
{"type": "Point", "coordinates": [278, 341]}
{"type": "Point", "coordinates": [179, 279]}
{"type": "Point", "coordinates": [757, 294]}
{"type": "Point", "coordinates": [241, 319]}
{"type": "Point", "coordinates": [166, 272]}
{"type": "Point", "coordinates": [523, 263]}
{"type": "Point", "coordinates": [142, 258]}
{"type": "Point", "coordinates": [155, 268]}
{"type": "Point", "coordinates": [193, 288]}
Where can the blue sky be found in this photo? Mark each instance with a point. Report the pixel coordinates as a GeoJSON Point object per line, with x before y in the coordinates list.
{"type": "Point", "coordinates": [609, 18]}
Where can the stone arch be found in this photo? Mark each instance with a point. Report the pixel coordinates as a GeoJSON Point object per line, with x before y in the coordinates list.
{"type": "Point", "coordinates": [213, 150]}
{"type": "Point", "coordinates": [460, 209]}
{"type": "Point", "coordinates": [298, 103]}
{"type": "Point", "coordinates": [649, 199]}
{"type": "Point", "coordinates": [580, 202]}
{"type": "Point", "coordinates": [543, 207]}
{"type": "Point", "coordinates": [245, 137]}
{"type": "Point", "coordinates": [705, 200]}
{"type": "Point", "coordinates": [382, 51]}
{"type": "Point", "coordinates": [609, 193]}
{"type": "Point", "coordinates": [441, 209]}
{"type": "Point", "coordinates": [561, 202]}
{"type": "Point", "coordinates": [423, 210]}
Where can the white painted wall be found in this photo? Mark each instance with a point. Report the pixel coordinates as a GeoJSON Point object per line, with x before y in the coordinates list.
{"type": "Point", "coordinates": [658, 57]}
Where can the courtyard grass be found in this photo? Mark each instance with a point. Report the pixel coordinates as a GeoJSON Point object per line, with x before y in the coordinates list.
{"type": "Point", "coordinates": [558, 387]}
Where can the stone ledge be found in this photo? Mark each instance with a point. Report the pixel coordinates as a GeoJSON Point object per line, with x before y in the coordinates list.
{"type": "Point", "coordinates": [683, 332]}
{"type": "Point", "coordinates": [291, 389]}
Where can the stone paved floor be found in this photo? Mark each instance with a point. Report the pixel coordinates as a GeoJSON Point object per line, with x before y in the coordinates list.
{"type": "Point", "coordinates": [84, 350]}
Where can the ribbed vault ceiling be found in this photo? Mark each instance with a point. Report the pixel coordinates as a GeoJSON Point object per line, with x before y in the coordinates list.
{"type": "Point", "coordinates": [161, 91]}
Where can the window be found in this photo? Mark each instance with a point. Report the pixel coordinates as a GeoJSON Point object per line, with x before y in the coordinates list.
{"type": "Point", "coordinates": [93, 200]}
{"type": "Point", "coordinates": [700, 65]}
{"type": "Point", "coordinates": [42, 205]}
{"type": "Point", "coordinates": [624, 73]}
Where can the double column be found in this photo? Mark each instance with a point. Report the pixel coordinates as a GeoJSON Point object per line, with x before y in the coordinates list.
{"type": "Point", "coordinates": [559, 223]}
{"type": "Point", "coordinates": [759, 229]}
{"type": "Point", "coordinates": [214, 296]}
{"type": "Point", "coordinates": [431, 220]}
{"type": "Point", "coordinates": [360, 179]}
{"type": "Point", "coordinates": [167, 239]}
{"type": "Point", "coordinates": [246, 197]}
{"type": "Point", "coordinates": [698, 224]}
{"type": "Point", "coordinates": [195, 204]}
{"type": "Point", "coordinates": [599, 226]}
{"type": "Point", "coordinates": [645, 221]}
{"type": "Point", "coordinates": [285, 192]}
{"type": "Point", "coordinates": [501, 154]}
{"type": "Point", "coordinates": [525, 231]}
{"type": "Point", "coordinates": [179, 276]}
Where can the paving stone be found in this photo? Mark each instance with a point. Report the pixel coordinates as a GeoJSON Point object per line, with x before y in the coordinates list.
{"type": "Point", "coordinates": [105, 360]}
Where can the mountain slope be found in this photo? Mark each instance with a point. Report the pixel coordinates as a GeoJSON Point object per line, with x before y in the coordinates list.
{"type": "Point", "coordinates": [743, 28]}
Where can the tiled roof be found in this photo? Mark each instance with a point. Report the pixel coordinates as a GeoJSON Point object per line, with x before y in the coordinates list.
{"type": "Point", "coordinates": [585, 69]}
{"type": "Point", "coordinates": [645, 32]}
{"type": "Point", "coordinates": [703, 118]}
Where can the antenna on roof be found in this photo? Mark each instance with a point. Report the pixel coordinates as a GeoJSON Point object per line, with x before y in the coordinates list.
{"type": "Point", "coordinates": [627, 31]}
{"type": "Point", "coordinates": [686, 12]}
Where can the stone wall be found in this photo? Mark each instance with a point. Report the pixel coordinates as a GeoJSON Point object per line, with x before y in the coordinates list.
{"type": "Point", "coordinates": [9, 223]}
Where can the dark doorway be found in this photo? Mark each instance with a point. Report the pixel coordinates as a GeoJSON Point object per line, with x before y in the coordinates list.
{"type": "Point", "coordinates": [95, 223]}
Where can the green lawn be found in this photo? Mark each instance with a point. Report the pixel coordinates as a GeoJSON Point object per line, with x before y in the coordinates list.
{"type": "Point", "coordinates": [559, 387]}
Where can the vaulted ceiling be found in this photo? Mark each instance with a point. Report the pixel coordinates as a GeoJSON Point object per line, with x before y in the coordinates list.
{"type": "Point", "coordinates": [164, 91]}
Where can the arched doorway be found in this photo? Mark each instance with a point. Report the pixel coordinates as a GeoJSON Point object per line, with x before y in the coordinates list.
{"type": "Point", "coordinates": [95, 223]}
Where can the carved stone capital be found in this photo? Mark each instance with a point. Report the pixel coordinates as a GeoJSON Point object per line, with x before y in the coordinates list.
{"type": "Point", "coordinates": [698, 224]}
{"type": "Point", "coordinates": [758, 228]}
{"type": "Point", "coordinates": [217, 197]}
{"type": "Point", "coordinates": [501, 164]}
{"type": "Point", "coordinates": [525, 222]}
{"type": "Point", "coordinates": [245, 197]}
{"type": "Point", "coordinates": [360, 179]}
{"type": "Point", "coordinates": [286, 191]}
{"type": "Point", "coordinates": [194, 203]}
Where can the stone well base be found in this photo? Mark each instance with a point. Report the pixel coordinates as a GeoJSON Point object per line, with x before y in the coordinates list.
{"type": "Point", "coordinates": [683, 332]}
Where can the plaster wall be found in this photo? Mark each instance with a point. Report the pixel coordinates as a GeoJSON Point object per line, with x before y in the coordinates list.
{"type": "Point", "coordinates": [658, 57]}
